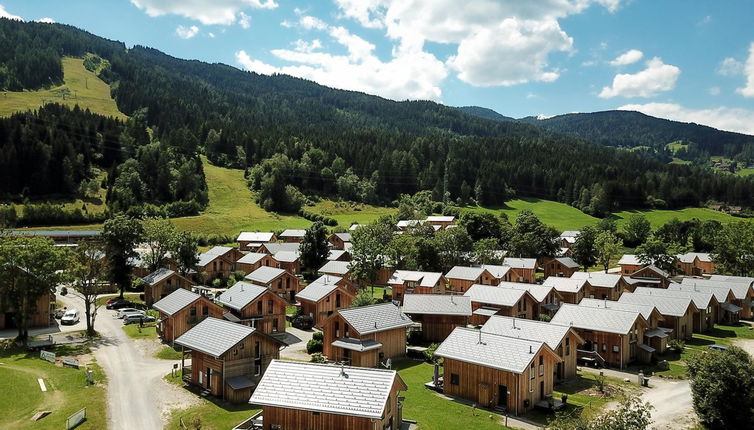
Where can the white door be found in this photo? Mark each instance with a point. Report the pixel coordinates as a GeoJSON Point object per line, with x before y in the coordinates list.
{"type": "Point", "coordinates": [201, 378]}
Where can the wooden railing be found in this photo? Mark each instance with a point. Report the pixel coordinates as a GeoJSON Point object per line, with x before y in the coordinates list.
{"type": "Point", "coordinates": [590, 357]}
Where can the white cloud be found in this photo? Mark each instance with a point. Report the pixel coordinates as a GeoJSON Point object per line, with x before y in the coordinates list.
{"type": "Point", "coordinates": [5, 14]}
{"type": "Point", "coordinates": [629, 57]}
{"type": "Point", "coordinates": [656, 78]}
{"type": "Point", "coordinates": [222, 12]}
{"type": "Point", "coordinates": [304, 46]}
{"type": "Point", "coordinates": [311, 22]}
{"type": "Point", "coordinates": [723, 118]}
{"type": "Point", "coordinates": [244, 20]}
{"type": "Point", "coordinates": [730, 67]}
{"type": "Point", "coordinates": [211, 35]}
{"type": "Point", "coordinates": [714, 91]}
{"type": "Point", "coordinates": [186, 32]}
{"type": "Point", "coordinates": [46, 20]}
{"type": "Point", "coordinates": [748, 90]}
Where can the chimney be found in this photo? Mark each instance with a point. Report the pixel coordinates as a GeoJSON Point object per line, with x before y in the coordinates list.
{"type": "Point", "coordinates": [451, 298]}
{"type": "Point", "coordinates": [514, 322]}
{"type": "Point", "coordinates": [531, 351]}
{"type": "Point", "coordinates": [342, 369]}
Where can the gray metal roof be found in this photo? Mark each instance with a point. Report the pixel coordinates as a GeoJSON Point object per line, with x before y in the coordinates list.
{"type": "Point", "coordinates": [206, 257]}
{"type": "Point", "coordinates": [564, 285]}
{"type": "Point", "coordinates": [286, 256]}
{"type": "Point", "coordinates": [275, 247]}
{"type": "Point", "coordinates": [670, 306]}
{"type": "Point", "coordinates": [352, 391]}
{"type": "Point", "coordinates": [630, 259]}
{"type": "Point", "coordinates": [431, 304]}
{"type": "Point", "coordinates": [264, 274]}
{"type": "Point", "coordinates": [316, 291]}
{"type": "Point", "coordinates": [539, 292]}
{"type": "Point", "coordinates": [465, 273]}
{"type": "Point", "coordinates": [721, 294]}
{"type": "Point", "coordinates": [494, 295]}
{"type": "Point", "coordinates": [599, 279]}
{"type": "Point", "coordinates": [540, 331]}
{"type": "Point", "coordinates": [702, 300]}
{"type": "Point", "coordinates": [645, 310]}
{"type": "Point", "coordinates": [337, 267]}
{"type": "Point", "coordinates": [240, 382]}
{"type": "Point", "coordinates": [520, 263]}
{"type": "Point", "coordinates": [157, 276]}
{"type": "Point", "coordinates": [293, 233]}
{"type": "Point", "coordinates": [375, 318]}
{"type": "Point", "coordinates": [254, 236]}
{"type": "Point", "coordinates": [423, 279]}
{"type": "Point", "coordinates": [357, 344]}
{"type": "Point", "coordinates": [336, 254]}
{"type": "Point", "coordinates": [214, 336]}
{"type": "Point", "coordinates": [490, 350]}
{"type": "Point", "coordinates": [690, 256]}
{"type": "Point", "coordinates": [441, 218]}
{"type": "Point", "coordinates": [597, 319]}
{"type": "Point", "coordinates": [496, 271]}
{"type": "Point", "coordinates": [568, 262]}
{"type": "Point", "coordinates": [739, 288]}
{"type": "Point", "coordinates": [251, 258]}
{"type": "Point", "coordinates": [345, 237]}
{"type": "Point", "coordinates": [175, 301]}
{"type": "Point", "coordinates": [240, 295]}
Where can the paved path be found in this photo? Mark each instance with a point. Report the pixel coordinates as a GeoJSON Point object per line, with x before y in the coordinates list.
{"type": "Point", "coordinates": [296, 350]}
{"type": "Point", "coordinates": [132, 377]}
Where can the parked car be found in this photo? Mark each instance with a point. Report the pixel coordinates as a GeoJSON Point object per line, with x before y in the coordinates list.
{"type": "Point", "coordinates": [120, 305]}
{"type": "Point", "coordinates": [114, 299]}
{"type": "Point", "coordinates": [303, 322]}
{"type": "Point", "coordinates": [718, 348]}
{"type": "Point", "coordinates": [137, 318]}
{"type": "Point", "coordinates": [70, 317]}
{"type": "Point", "coordinates": [59, 312]}
{"type": "Point", "coordinates": [123, 311]}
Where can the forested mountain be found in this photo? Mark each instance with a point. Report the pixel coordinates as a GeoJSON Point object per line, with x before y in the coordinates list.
{"type": "Point", "coordinates": [483, 112]}
{"type": "Point", "coordinates": [295, 136]}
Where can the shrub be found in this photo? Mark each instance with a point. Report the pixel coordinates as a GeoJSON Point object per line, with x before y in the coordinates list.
{"type": "Point", "coordinates": [429, 353]}
{"type": "Point", "coordinates": [318, 335]}
{"type": "Point", "coordinates": [64, 291]}
{"type": "Point", "coordinates": [544, 317]}
{"type": "Point", "coordinates": [676, 345]}
{"type": "Point", "coordinates": [317, 357]}
{"type": "Point", "coordinates": [217, 283]}
{"type": "Point", "coordinates": [313, 346]}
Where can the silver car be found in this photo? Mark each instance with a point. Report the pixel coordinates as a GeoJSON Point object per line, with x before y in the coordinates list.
{"type": "Point", "coordinates": [137, 318]}
{"type": "Point", "coordinates": [125, 311]}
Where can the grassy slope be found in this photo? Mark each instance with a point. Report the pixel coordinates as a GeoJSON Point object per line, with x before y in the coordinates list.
{"type": "Point", "coordinates": [86, 90]}
{"type": "Point", "coordinates": [67, 392]}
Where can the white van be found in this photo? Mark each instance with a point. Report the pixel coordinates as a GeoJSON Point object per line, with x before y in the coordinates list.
{"type": "Point", "coordinates": [71, 316]}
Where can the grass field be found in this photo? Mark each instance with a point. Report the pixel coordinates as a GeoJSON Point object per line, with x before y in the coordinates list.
{"type": "Point", "coordinates": [86, 90]}
{"type": "Point", "coordinates": [168, 353]}
{"type": "Point", "coordinates": [135, 332]}
{"type": "Point", "coordinates": [67, 392]}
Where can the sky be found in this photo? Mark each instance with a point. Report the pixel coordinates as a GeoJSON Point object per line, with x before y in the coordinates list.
{"type": "Point", "coordinates": [687, 60]}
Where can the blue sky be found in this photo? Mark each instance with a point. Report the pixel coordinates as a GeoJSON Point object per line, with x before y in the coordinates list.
{"type": "Point", "coordinates": [687, 60]}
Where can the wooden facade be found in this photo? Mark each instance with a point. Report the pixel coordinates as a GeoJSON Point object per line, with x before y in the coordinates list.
{"type": "Point", "coordinates": [247, 268]}
{"type": "Point", "coordinates": [286, 285]}
{"type": "Point", "coordinates": [435, 328]}
{"type": "Point", "coordinates": [173, 326]}
{"type": "Point", "coordinates": [460, 286]}
{"type": "Point", "coordinates": [266, 313]}
{"type": "Point", "coordinates": [218, 267]}
{"type": "Point", "coordinates": [524, 308]}
{"type": "Point", "coordinates": [40, 315]}
{"type": "Point", "coordinates": [618, 350]}
{"type": "Point", "coordinates": [402, 288]}
{"type": "Point", "coordinates": [243, 245]}
{"type": "Point", "coordinates": [555, 267]}
{"type": "Point", "coordinates": [337, 242]}
{"type": "Point", "coordinates": [393, 343]}
{"type": "Point", "coordinates": [696, 267]}
{"type": "Point", "coordinates": [325, 307]}
{"type": "Point", "coordinates": [162, 288]}
{"type": "Point", "coordinates": [520, 274]}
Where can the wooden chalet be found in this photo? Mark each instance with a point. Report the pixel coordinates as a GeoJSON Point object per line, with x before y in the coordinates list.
{"type": "Point", "coordinates": [521, 269]}
{"type": "Point", "coordinates": [568, 238]}
{"type": "Point", "coordinates": [629, 263]}
{"type": "Point", "coordinates": [728, 312]}
{"type": "Point", "coordinates": [273, 248]}
{"type": "Point", "coordinates": [404, 282]}
{"type": "Point", "coordinates": [561, 339]}
{"type": "Point", "coordinates": [40, 315]}
{"type": "Point", "coordinates": [218, 262]}
{"type": "Point", "coordinates": [255, 306]}
{"type": "Point", "coordinates": [655, 335]}
{"type": "Point", "coordinates": [324, 297]}
{"type": "Point", "coordinates": [251, 241]}
{"type": "Point", "coordinates": [649, 276]}
{"type": "Point", "coordinates": [487, 300]}
{"type": "Point", "coordinates": [611, 336]}
{"type": "Point", "coordinates": [180, 311]}
{"type": "Point", "coordinates": [339, 240]}
{"type": "Point", "coordinates": [304, 396]}
{"type": "Point", "coordinates": [571, 290]}
{"type": "Point", "coordinates": [561, 266]}
{"type": "Point", "coordinates": [740, 286]}
{"type": "Point", "coordinates": [292, 236]}
{"type": "Point", "coordinates": [227, 359]}
{"type": "Point", "coordinates": [441, 221]}
{"type": "Point", "coordinates": [547, 299]}
{"type": "Point", "coordinates": [438, 315]}
{"type": "Point", "coordinates": [340, 269]}
{"type": "Point", "coordinates": [695, 264]}
{"type": "Point", "coordinates": [162, 282]}
{"type": "Point", "coordinates": [461, 278]}
{"type": "Point", "coordinates": [677, 312]}
{"type": "Point", "coordinates": [253, 261]}
{"type": "Point", "coordinates": [366, 336]}
{"type": "Point", "coordinates": [339, 255]}
{"type": "Point", "coordinates": [496, 371]}
{"type": "Point", "coordinates": [280, 281]}
{"type": "Point", "coordinates": [601, 285]}
{"type": "Point", "coordinates": [706, 303]}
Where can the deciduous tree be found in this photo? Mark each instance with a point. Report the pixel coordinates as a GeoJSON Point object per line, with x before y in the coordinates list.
{"type": "Point", "coordinates": [121, 234]}
{"type": "Point", "coordinates": [608, 247]}
{"type": "Point", "coordinates": [88, 270]}
{"type": "Point", "coordinates": [314, 247]}
{"type": "Point", "coordinates": [585, 248]}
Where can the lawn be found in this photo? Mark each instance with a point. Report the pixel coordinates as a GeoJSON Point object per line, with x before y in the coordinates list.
{"type": "Point", "coordinates": [86, 90]}
{"type": "Point", "coordinates": [168, 353]}
{"type": "Point", "coordinates": [67, 392]}
{"type": "Point", "coordinates": [348, 213]}
{"type": "Point", "coordinates": [658, 217]}
{"type": "Point", "coordinates": [132, 297]}
{"type": "Point", "coordinates": [93, 205]}
{"type": "Point", "coordinates": [433, 412]}
{"type": "Point", "coordinates": [135, 332]}
{"type": "Point", "coordinates": [212, 414]}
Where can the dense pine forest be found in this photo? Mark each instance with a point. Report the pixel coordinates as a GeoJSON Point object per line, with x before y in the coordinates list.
{"type": "Point", "coordinates": [296, 138]}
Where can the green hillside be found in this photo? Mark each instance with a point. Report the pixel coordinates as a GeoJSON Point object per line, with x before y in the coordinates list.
{"type": "Point", "coordinates": [81, 87]}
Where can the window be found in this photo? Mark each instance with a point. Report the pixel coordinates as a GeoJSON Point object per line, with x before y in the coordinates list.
{"type": "Point", "coordinates": [541, 365]}
{"type": "Point", "coordinates": [287, 283]}
{"type": "Point", "coordinates": [257, 359]}
{"type": "Point", "coordinates": [337, 329]}
{"type": "Point", "coordinates": [280, 283]}
{"type": "Point", "coordinates": [276, 427]}
{"type": "Point", "coordinates": [269, 307]}
{"type": "Point", "coordinates": [275, 325]}
{"type": "Point", "coordinates": [337, 300]}
{"type": "Point", "coordinates": [327, 299]}
{"type": "Point", "coordinates": [531, 377]}
{"type": "Point", "coordinates": [259, 307]}
{"type": "Point", "coordinates": [519, 306]}
{"type": "Point", "coordinates": [568, 346]}
{"type": "Point", "coordinates": [345, 329]}
{"type": "Point", "coordinates": [257, 350]}
{"type": "Point", "coordinates": [616, 349]}
{"type": "Point", "coordinates": [205, 310]}
{"type": "Point", "coordinates": [389, 403]}
{"type": "Point", "coordinates": [454, 379]}
{"type": "Point", "coordinates": [604, 347]}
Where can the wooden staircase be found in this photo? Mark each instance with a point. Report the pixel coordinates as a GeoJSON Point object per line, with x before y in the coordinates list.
{"type": "Point", "coordinates": [590, 358]}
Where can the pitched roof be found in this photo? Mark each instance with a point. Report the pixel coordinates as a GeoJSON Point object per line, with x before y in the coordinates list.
{"type": "Point", "coordinates": [240, 295]}
{"type": "Point", "coordinates": [286, 256]}
{"type": "Point", "coordinates": [721, 294]}
{"type": "Point", "coordinates": [409, 223]}
{"type": "Point", "coordinates": [568, 262]}
{"type": "Point", "coordinates": [551, 334]}
{"type": "Point", "coordinates": [175, 301]}
{"type": "Point", "coordinates": [598, 279]}
{"type": "Point", "coordinates": [328, 279]}
{"type": "Point", "coordinates": [690, 256]}
{"type": "Point", "coordinates": [598, 319]}
{"type": "Point", "coordinates": [293, 233]}
{"type": "Point", "coordinates": [564, 285]}
{"type": "Point", "coordinates": [206, 257]}
{"type": "Point", "coordinates": [520, 263]}
{"type": "Point", "coordinates": [570, 233]}
{"type": "Point", "coordinates": [739, 288]}
{"type": "Point", "coordinates": [214, 336]}
{"type": "Point", "coordinates": [316, 291]}
{"type": "Point", "coordinates": [275, 247]}
{"type": "Point", "coordinates": [652, 268]}
{"type": "Point", "coordinates": [727, 278]}
{"type": "Point", "coordinates": [490, 350]}
{"type": "Point", "coordinates": [345, 237]}
{"type": "Point", "coordinates": [630, 259]}
{"type": "Point", "coordinates": [497, 271]}
{"type": "Point", "coordinates": [539, 292]}
{"type": "Point", "coordinates": [431, 304]}
{"type": "Point", "coordinates": [336, 254]}
{"type": "Point", "coordinates": [251, 258]}
{"type": "Point", "coordinates": [424, 279]}
{"type": "Point", "coordinates": [670, 306]}
{"type": "Point", "coordinates": [465, 273]}
{"type": "Point", "coordinates": [337, 267]}
{"type": "Point", "coordinates": [702, 300]}
{"type": "Point", "coordinates": [644, 309]}
{"type": "Point", "coordinates": [375, 318]}
{"type": "Point", "coordinates": [494, 295]}
{"type": "Point", "coordinates": [352, 391]}
{"type": "Point", "coordinates": [264, 274]}
{"type": "Point", "coordinates": [255, 236]}
{"type": "Point", "coordinates": [157, 276]}
{"type": "Point", "coordinates": [440, 218]}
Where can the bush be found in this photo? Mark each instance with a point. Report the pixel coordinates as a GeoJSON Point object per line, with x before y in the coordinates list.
{"type": "Point", "coordinates": [49, 214]}
{"type": "Point", "coordinates": [313, 346]}
{"type": "Point", "coordinates": [544, 317]}
{"type": "Point", "coordinates": [317, 217]}
{"type": "Point", "coordinates": [179, 209]}
{"type": "Point", "coordinates": [429, 353]}
{"type": "Point", "coordinates": [318, 335]}
{"type": "Point", "coordinates": [64, 291]}
{"type": "Point", "coordinates": [8, 216]}
{"type": "Point", "coordinates": [217, 283]}
{"type": "Point", "coordinates": [676, 345]}
{"type": "Point", "coordinates": [317, 357]}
